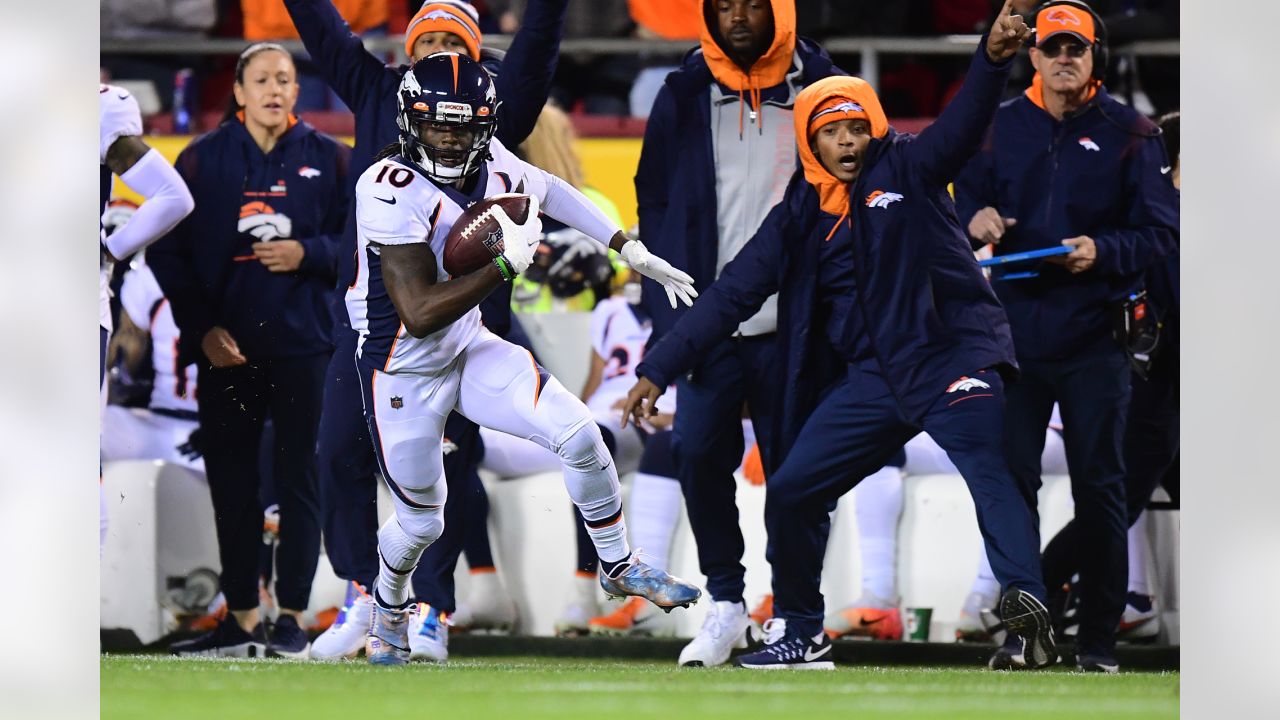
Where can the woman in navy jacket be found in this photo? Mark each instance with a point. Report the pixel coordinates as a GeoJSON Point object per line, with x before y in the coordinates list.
{"type": "Point", "coordinates": [250, 275]}
{"type": "Point", "coordinates": [886, 327]}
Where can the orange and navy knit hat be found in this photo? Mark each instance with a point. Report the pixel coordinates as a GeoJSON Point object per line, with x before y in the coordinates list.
{"type": "Point", "coordinates": [1070, 19]}
{"type": "Point", "coordinates": [838, 97]}
{"type": "Point", "coordinates": [451, 16]}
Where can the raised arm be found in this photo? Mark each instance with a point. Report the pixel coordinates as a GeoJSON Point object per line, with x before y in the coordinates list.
{"type": "Point", "coordinates": [943, 148]}
{"type": "Point", "coordinates": [347, 66]}
{"type": "Point", "coordinates": [524, 82]}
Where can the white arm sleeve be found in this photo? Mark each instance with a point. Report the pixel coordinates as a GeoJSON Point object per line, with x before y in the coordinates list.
{"type": "Point", "coordinates": [563, 202]}
{"type": "Point", "coordinates": [167, 201]}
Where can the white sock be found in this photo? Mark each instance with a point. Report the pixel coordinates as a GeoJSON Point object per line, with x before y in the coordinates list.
{"type": "Point", "coordinates": [398, 556]}
{"type": "Point", "coordinates": [878, 505]}
{"type": "Point", "coordinates": [591, 477]}
{"type": "Point", "coordinates": [655, 510]}
{"type": "Point", "coordinates": [1139, 556]}
{"type": "Point", "coordinates": [985, 583]}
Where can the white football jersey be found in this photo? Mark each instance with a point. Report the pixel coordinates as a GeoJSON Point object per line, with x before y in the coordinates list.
{"type": "Point", "coordinates": [144, 301]}
{"type": "Point", "coordinates": [396, 204]}
{"type": "Point", "coordinates": [618, 336]}
{"type": "Point", "coordinates": [118, 116]}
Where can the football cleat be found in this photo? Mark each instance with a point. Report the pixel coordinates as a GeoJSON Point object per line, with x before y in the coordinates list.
{"type": "Point", "coordinates": [636, 578]}
{"type": "Point", "coordinates": [868, 617]}
{"type": "Point", "coordinates": [488, 608]}
{"type": "Point", "coordinates": [287, 639]}
{"type": "Point", "coordinates": [636, 618]}
{"type": "Point", "coordinates": [788, 651]}
{"type": "Point", "coordinates": [575, 619]}
{"type": "Point", "coordinates": [723, 629]}
{"type": "Point", "coordinates": [428, 634]}
{"type": "Point", "coordinates": [1029, 644]}
{"type": "Point", "coordinates": [1140, 621]}
{"type": "Point", "coordinates": [345, 638]}
{"type": "Point", "coordinates": [388, 639]}
{"type": "Point", "coordinates": [226, 639]}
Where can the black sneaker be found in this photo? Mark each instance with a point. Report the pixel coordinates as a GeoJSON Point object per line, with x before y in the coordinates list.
{"type": "Point", "coordinates": [788, 651]}
{"type": "Point", "coordinates": [228, 639]}
{"type": "Point", "coordinates": [1029, 644]}
{"type": "Point", "coordinates": [287, 640]}
{"type": "Point", "coordinates": [1097, 663]}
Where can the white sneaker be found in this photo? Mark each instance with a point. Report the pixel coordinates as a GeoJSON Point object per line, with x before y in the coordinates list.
{"type": "Point", "coordinates": [1139, 625]}
{"type": "Point", "coordinates": [584, 604]}
{"type": "Point", "coordinates": [345, 637]}
{"type": "Point", "coordinates": [428, 634]}
{"type": "Point", "coordinates": [488, 608]}
{"type": "Point", "coordinates": [724, 629]}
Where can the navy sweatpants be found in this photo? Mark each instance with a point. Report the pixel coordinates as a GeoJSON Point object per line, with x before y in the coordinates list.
{"type": "Point", "coordinates": [707, 444]}
{"type": "Point", "coordinates": [1093, 392]}
{"type": "Point", "coordinates": [233, 405]}
{"type": "Point", "coordinates": [1151, 442]}
{"type": "Point", "coordinates": [856, 430]}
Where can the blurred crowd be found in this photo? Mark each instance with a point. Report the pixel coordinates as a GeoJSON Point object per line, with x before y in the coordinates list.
{"type": "Point", "coordinates": [910, 85]}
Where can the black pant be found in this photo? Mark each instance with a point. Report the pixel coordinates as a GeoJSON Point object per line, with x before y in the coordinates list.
{"type": "Point", "coordinates": [234, 403]}
{"type": "Point", "coordinates": [1093, 393]}
{"type": "Point", "coordinates": [1151, 441]}
{"type": "Point", "coordinates": [707, 444]}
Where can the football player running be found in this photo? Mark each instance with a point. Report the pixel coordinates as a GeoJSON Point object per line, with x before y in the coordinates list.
{"type": "Point", "coordinates": [423, 351]}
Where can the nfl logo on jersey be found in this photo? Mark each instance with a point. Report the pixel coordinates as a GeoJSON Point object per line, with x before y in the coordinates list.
{"type": "Point", "coordinates": [397, 402]}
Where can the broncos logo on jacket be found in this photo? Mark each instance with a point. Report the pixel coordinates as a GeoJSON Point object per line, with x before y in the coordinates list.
{"type": "Point", "coordinates": [261, 221]}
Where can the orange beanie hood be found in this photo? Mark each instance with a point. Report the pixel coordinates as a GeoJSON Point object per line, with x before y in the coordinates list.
{"type": "Point", "coordinates": [451, 16]}
{"type": "Point", "coordinates": [838, 97]}
{"type": "Point", "coordinates": [769, 70]}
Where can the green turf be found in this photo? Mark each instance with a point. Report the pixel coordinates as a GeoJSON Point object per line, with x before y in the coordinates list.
{"type": "Point", "coordinates": [153, 686]}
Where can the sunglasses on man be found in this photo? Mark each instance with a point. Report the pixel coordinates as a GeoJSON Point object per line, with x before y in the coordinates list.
{"type": "Point", "coordinates": [1072, 48]}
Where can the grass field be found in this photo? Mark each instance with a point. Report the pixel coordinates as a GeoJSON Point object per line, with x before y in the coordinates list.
{"type": "Point", "coordinates": [155, 686]}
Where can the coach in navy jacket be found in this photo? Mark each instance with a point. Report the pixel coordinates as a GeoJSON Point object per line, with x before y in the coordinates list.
{"type": "Point", "coordinates": [1066, 164]}
{"type": "Point", "coordinates": [368, 86]}
{"type": "Point", "coordinates": [886, 326]}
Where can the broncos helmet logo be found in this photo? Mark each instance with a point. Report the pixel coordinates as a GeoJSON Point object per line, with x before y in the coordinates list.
{"type": "Point", "coordinates": [966, 384]}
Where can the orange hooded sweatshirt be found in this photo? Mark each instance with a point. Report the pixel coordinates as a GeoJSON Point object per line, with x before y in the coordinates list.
{"type": "Point", "coordinates": [834, 98]}
{"type": "Point", "coordinates": [769, 70]}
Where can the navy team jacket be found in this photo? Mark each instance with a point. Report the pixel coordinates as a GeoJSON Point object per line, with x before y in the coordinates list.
{"type": "Point", "coordinates": [928, 312]}
{"type": "Point", "coordinates": [676, 177]}
{"type": "Point", "coordinates": [1096, 173]}
{"type": "Point", "coordinates": [369, 87]}
{"type": "Point", "coordinates": [205, 264]}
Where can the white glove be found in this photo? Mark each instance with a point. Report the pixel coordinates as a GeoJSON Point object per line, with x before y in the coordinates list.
{"type": "Point", "coordinates": [676, 282]}
{"type": "Point", "coordinates": [519, 242]}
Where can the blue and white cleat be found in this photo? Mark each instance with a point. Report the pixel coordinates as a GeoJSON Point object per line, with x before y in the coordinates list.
{"type": "Point", "coordinates": [428, 634]}
{"type": "Point", "coordinates": [785, 650]}
{"type": "Point", "coordinates": [388, 640]}
{"type": "Point", "coordinates": [636, 578]}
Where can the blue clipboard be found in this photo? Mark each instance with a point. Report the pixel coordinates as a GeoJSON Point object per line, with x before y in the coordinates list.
{"type": "Point", "coordinates": [1022, 257]}
{"type": "Point", "coordinates": [1025, 256]}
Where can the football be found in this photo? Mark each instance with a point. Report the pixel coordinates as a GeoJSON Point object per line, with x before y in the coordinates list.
{"type": "Point", "coordinates": [476, 238]}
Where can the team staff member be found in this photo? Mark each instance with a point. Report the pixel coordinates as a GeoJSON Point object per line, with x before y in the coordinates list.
{"type": "Point", "coordinates": [249, 276]}
{"type": "Point", "coordinates": [882, 306]}
{"type": "Point", "coordinates": [718, 150]}
{"type": "Point", "coordinates": [1151, 438]}
{"type": "Point", "coordinates": [345, 452]}
{"type": "Point", "coordinates": [1065, 164]}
